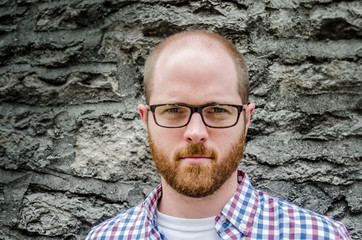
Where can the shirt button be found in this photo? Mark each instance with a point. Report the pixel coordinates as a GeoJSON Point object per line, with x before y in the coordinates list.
{"type": "Point", "coordinates": [243, 226]}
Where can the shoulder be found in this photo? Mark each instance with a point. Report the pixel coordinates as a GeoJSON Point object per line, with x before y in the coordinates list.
{"type": "Point", "coordinates": [129, 222]}
{"type": "Point", "coordinates": [305, 223]}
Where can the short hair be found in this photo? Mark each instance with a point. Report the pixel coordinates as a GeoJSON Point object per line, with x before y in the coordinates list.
{"type": "Point", "coordinates": [207, 39]}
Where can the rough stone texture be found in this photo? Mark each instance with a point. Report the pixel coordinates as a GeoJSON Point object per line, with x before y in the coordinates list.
{"type": "Point", "coordinates": [73, 151]}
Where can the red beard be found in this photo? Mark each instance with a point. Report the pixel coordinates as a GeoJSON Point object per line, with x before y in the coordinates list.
{"type": "Point", "coordinates": [197, 180]}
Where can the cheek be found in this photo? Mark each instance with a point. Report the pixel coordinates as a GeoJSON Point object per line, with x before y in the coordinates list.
{"type": "Point", "coordinates": [226, 138]}
{"type": "Point", "coordinates": [166, 139]}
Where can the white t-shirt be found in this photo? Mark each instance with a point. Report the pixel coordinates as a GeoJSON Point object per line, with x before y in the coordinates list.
{"type": "Point", "coordinates": [184, 228]}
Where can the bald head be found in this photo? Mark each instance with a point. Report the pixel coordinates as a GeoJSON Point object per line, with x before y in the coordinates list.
{"type": "Point", "coordinates": [200, 40]}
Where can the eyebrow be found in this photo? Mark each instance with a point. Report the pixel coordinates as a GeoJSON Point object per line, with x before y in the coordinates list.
{"type": "Point", "coordinates": [208, 103]}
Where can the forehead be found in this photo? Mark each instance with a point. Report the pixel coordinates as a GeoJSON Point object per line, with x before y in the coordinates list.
{"type": "Point", "coordinates": [195, 75]}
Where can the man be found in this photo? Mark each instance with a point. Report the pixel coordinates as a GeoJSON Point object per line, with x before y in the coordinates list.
{"type": "Point", "coordinates": [197, 116]}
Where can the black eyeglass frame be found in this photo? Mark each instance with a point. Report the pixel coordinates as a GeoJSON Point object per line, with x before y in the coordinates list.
{"type": "Point", "coordinates": [197, 109]}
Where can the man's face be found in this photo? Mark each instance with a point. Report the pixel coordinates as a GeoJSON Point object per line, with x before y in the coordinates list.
{"type": "Point", "coordinates": [195, 160]}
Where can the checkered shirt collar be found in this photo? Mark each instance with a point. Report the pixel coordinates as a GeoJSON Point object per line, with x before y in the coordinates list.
{"type": "Point", "coordinates": [239, 211]}
{"type": "Point", "coordinates": [151, 202]}
{"type": "Point", "coordinates": [241, 208]}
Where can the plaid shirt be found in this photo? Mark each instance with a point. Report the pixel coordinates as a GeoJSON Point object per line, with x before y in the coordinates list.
{"type": "Point", "coordinates": [249, 214]}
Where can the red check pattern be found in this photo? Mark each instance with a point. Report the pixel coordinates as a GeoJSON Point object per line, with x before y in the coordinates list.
{"type": "Point", "coordinates": [249, 214]}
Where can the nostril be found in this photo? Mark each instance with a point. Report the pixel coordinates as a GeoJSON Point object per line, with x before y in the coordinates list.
{"type": "Point", "coordinates": [196, 139]}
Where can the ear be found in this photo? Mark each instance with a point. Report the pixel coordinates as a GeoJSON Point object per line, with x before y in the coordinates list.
{"type": "Point", "coordinates": [143, 110]}
{"type": "Point", "coordinates": [248, 111]}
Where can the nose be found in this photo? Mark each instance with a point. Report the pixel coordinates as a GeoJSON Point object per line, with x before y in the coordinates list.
{"type": "Point", "coordinates": [196, 131]}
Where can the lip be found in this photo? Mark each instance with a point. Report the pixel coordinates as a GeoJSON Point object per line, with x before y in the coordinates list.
{"type": "Point", "coordinates": [196, 159]}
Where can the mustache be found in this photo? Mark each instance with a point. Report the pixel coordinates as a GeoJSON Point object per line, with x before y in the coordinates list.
{"type": "Point", "coordinates": [196, 149]}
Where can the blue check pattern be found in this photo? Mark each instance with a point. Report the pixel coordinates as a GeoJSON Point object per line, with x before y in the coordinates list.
{"type": "Point", "coordinates": [249, 214]}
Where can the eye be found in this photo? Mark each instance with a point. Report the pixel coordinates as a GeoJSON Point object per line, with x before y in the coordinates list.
{"type": "Point", "coordinates": [218, 110]}
{"type": "Point", "coordinates": [172, 110]}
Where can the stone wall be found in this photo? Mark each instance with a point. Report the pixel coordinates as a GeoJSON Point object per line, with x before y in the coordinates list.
{"type": "Point", "coordinates": [73, 151]}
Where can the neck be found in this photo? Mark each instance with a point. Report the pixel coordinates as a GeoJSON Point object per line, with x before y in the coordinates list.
{"type": "Point", "coordinates": [177, 205]}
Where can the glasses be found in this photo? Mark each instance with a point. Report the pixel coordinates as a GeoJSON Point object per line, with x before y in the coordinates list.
{"type": "Point", "coordinates": [179, 115]}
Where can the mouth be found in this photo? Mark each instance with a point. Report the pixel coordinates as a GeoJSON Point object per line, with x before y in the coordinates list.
{"type": "Point", "coordinates": [196, 159]}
